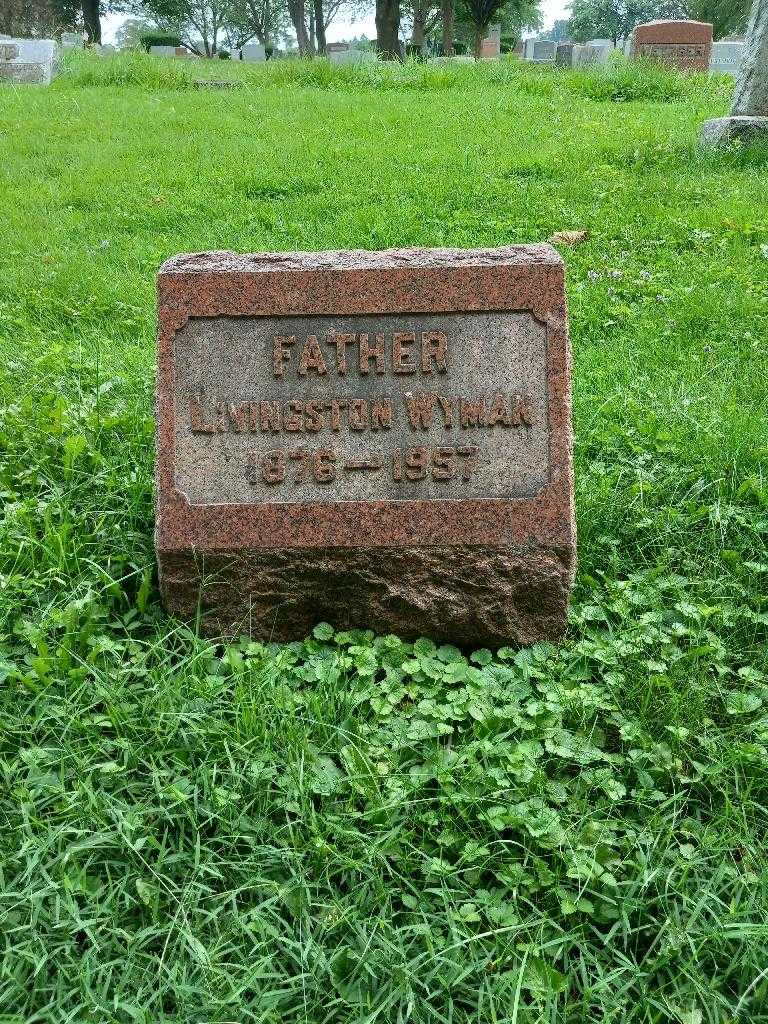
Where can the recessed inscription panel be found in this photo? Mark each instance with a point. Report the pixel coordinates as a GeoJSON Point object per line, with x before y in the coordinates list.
{"type": "Point", "coordinates": [360, 408]}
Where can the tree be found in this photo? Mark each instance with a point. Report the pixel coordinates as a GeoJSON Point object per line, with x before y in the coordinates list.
{"type": "Point", "coordinates": [447, 17]}
{"type": "Point", "coordinates": [127, 36]}
{"type": "Point", "coordinates": [514, 16]}
{"type": "Point", "coordinates": [37, 18]}
{"type": "Point", "coordinates": [725, 16]}
{"type": "Point", "coordinates": [609, 19]}
{"type": "Point", "coordinates": [201, 24]}
{"type": "Point", "coordinates": [422, 17]}
{"type": "Point", "coordinates": [559, 31]}
{"type": "Point", "coordinates": [388, 29]}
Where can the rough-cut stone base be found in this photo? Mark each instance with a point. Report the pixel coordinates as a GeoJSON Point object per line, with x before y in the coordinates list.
{"type": "Point", "coordinates": [722, 130]}
{"type": "Point", "coordinates": [470, 596]}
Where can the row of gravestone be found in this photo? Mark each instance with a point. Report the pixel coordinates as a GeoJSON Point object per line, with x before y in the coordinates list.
{"type": "Point", "coordinates": [337, 53]}
{"type": "Point", "coordinates": [686, 45]}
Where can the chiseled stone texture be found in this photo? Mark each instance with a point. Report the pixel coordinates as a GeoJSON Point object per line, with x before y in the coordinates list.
{"type": "Point", "coordinates": [722, 130]}
{"type": "Point", "coordinates": [750, 97]}
{"type": "Point", "coordinates": [474, 570]}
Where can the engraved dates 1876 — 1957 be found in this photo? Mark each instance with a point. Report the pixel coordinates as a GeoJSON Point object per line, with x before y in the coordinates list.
{"type": "Point", "coordinates": [391, 407]}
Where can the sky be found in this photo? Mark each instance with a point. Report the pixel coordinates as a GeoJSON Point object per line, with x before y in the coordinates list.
{"type": "Point", "coordinates": [345, 29]}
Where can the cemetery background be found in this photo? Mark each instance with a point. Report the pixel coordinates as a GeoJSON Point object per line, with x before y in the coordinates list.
{"type": "Point", "coordinates": [352, 824]}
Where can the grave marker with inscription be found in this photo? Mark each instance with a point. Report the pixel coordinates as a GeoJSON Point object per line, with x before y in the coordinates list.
{"type": "Point", "coordinates": [379, 440]}
{"type": "Point", "coordinates": [686, 45]}
{"type": "Point", "coordinates": [27, 61]}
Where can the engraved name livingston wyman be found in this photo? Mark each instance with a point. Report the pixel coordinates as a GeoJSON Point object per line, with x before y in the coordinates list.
{"type": "Point", "coordinates": [371, 408]}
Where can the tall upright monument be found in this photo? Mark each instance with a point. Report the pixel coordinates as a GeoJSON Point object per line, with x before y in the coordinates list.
{"type": "Point", "coordinates": [748, 119]}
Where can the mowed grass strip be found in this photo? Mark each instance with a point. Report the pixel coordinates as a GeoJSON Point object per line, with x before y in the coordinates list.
{"type": "Point", "coordinates": [351, 828]}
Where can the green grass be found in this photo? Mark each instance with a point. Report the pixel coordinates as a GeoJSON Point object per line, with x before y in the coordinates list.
{"type": "Point", "coordinates": [353, 829]}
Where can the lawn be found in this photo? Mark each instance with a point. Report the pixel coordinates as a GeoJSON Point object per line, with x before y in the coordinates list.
{"type": "Point", "coordinates": [351, 828]}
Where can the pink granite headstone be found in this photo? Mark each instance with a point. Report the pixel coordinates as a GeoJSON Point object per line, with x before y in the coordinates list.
{"type": "Point", "coordinates": [374, 439]}
{"type": "Point", "coordinates": [686, 45]}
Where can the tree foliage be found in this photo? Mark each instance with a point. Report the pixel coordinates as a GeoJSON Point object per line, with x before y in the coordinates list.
{"type": "Point", "coordinates": [514, 15]}
{"type": "Point", "coordinates": [615, 19]}
{"type": "Point", "coordinates": [40, 18]}
{"type": "Point", "coordinates": [609, 19]}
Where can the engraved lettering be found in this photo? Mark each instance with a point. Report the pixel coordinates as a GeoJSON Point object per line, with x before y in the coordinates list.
{"type": "Point", "coordinates": [402, 357]}
{"type": "Point", "coordinates": [434, 349]}
{"type": "Point", "coordinates": [239, 416]}
{"type": "Point", "coordinates": [446, 404]}
{"type": "Point", "coordinates": [292, 418]}
{"type": "Point", "coordinates": [325, 466]}
{"type": "Point", "coordinates": [420, 410]}
{"type": "Point", "coordinates": [197, 421]}
{"type": "Point", "coordinates": [281, 352]}
{"type": "Point", "coordinates": [498, 411]}
{"type": "Point", "coordinates": [335, 406]}
{"type": "Point", "coordinates": [270, 416]}
{"type": "Point", "coordinates": [472, 413]}
{"type": "Point", "coordinates": [358, 414]}
{"type": "Point", "coordinates": [468, 454]}
{"type": "Point", "coordinates": [303, 457]}
{"type": "Point", "coordinates": [368, 352]}
{"type": "Point", "coordinates": [442, 464]}
{"type": "Point", "coordinates": [416, 460]}
{"type": "Point", "coordinates": [522, 411]}
{"type": "Point", "coordinates": [341, 341]}
{"type": "Point", "coordinates": [312, 357]}
{"type": "Point", "coordinates": [313, 418]}
{"type": "Point", "coordinates": [381, 414]}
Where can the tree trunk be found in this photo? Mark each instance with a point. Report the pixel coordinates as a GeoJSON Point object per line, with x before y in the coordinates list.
{"type": "Point", "coordinates": [750, 98]}
{"type": "Point", "coordinates": [478, 45]}
{"type": "Point", "coordinates": [388, 28]}
{"type": "Point", "coordinates": [312, 31]}
{"type": "Point", "coordinates": [92, 21]}
{"type": "Point", "coordinates": [320, 27]}
{"type": "Point", "coordinates": [419, 24]}
{"type": "Point", "coordinates": [447, 14]}
{"type": "Point", "coordinates": [296, 11]}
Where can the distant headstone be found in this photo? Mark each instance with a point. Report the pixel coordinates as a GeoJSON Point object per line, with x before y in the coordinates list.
{"type": "Point", "coordinates": [71, 41]}
{"type": "Point", "coordinates": [28, 61]}
{"type": "Point", "coordinates": [254, 53]}
{"type": "Point", "coordinates": [564, 54]}
{"type": "Point", "coordinates": [726, 58]}
{"type": "Point", "coordinates": [163, 51]}
{"type": "Point", "coordinates": [375, 439]}
{"type": "Point", "coordinates": [490, 46]}
{"type": "Point", "coordinates": [748, 120]}
{"type": "Point", "coordinates": [686, 45]}
{"type": "Point", "coordinates": [596, 51]}
{"type": "Point", "coordinates": [543, 51]}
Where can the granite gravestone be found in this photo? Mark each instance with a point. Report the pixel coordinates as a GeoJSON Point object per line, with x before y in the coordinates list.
{"type": "Point", "coordinates": [727, 57]}
{"type": "Point", "coordinates": [27, 61]}
{"type": "Point", "coordinates": [686, 45]}
{"type": "Point", "coordinates": [254, 53]}
{"type": "Point", "coordinates": [490, 46]}
{"type": "Point", "coordinates": [544, 51]}
{"type": "Point", "coordinates": [378, 440]}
